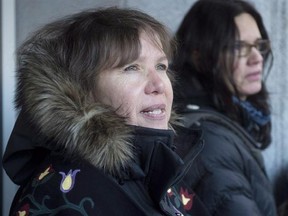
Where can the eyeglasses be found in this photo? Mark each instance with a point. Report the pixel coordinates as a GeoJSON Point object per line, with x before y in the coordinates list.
{"type": "Point", "coordinates": [243, 49]}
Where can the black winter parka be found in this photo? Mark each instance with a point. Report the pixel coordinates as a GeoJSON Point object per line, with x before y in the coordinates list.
{"type": "Point", "coordinates": [151, 185]}
{"type": "Point", "coordinates": [229, 174]}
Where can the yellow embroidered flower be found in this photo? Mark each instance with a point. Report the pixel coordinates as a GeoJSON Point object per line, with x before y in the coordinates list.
{"type": "Point", "coordinates": [45, 173]}
{"type": "Point", "coordinates": [68, 180]}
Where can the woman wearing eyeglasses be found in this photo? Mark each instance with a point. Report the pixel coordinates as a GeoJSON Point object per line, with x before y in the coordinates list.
{"type": "Point", "coordinates": [223, 57]}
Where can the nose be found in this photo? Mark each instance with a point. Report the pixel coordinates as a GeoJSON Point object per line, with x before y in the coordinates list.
{"type": "Point", "coordinates": [255, 56]}
{"type": "Point", "coordinates": [155, 84]}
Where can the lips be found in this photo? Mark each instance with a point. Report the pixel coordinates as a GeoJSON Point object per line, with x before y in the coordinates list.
{"type": "Point", "coordinates": [254, 76]}
{"type": "Point", "coordinates": [155, 111]}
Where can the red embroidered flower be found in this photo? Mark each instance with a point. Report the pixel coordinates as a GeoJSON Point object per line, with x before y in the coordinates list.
{"type": "Point", "coordinates": [24, 210]}
{"type": "Point", "coordinates": [187, 199]}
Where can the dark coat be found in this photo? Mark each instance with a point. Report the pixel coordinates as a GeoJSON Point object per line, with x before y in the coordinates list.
{"type": "Point", "coordinates": [230, 178]}
{"type": "Point", "coordinates": [75, 187]}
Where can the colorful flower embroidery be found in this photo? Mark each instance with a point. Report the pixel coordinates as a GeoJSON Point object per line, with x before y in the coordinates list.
{"type": "Point", "coordinates": [68, 180]}
{"type": "Point", "coordinates": [45, 173]}
{"type": "Point", "coordinates": [43, 176]}
{"type": "Point", "coordinates": [187, 199]}
{"type": "Point", "coordinates": [24, 211]}
{"type": "Point", "coordinates": [40, 205]}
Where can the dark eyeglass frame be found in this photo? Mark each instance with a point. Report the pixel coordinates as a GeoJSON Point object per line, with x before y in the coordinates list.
{"type": "Point", "coordinates": [243, 49]}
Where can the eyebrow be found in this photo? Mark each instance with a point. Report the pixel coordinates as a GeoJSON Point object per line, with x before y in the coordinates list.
{"type": "Point", "coordinates": [257, 39]}
{"type": "Point", "coordinates": [161, 58]}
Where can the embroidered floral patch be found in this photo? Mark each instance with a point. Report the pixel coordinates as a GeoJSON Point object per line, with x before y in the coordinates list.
{"type": "Point", "coordinates": [39, 203]}
{"type": "Point", "coordinates": [43, 176]}
{"type": "Point", "coordinates": [24, 210]}
{"type": "Point", "coordinates": [45, 173]}
{"type": "Point", "coordinates": [181, 200]}
{"type": "Point", "coordinates": [187, 199]}
{"type": "Point", "coordinates": [68, 180]}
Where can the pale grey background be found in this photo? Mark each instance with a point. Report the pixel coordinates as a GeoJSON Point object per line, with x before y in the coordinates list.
{"type": "Point", "coordinates": [27, 15]}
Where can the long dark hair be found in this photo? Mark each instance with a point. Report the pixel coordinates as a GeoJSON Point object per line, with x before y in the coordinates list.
{"type": "Point", "coordinates": [205, 38]}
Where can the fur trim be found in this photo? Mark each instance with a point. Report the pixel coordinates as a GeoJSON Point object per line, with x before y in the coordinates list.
{"type": "Point", "coordinates": [63, 112]}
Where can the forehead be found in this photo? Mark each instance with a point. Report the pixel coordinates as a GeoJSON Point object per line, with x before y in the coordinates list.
{"type": "Point", "coordinates": [151, 40]}
{"type": "Point", "coordinates": [151, 49]}
{"type": "Point", "coordinates": [247, 27]}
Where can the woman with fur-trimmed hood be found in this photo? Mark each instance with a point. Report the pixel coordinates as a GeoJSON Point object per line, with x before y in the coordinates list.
{"type": "Point", "coordinates": [93, 136]}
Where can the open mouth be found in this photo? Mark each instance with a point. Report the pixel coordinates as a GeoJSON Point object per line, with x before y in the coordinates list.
{"type": "Point", "coordinates": [154, 112]}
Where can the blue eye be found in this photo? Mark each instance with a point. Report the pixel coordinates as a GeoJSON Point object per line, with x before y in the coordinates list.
{"type": "Point", "coordinates": [131, 68]}
{"type": "Point", "coordinates": [162, 67]}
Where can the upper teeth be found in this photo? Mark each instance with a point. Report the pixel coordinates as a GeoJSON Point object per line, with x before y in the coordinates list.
{"type": "Point", "coordinates": [156, 111]}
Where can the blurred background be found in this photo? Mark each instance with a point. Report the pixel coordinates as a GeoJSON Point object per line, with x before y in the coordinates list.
{"type": "Point", "coordinates": [21, 17]}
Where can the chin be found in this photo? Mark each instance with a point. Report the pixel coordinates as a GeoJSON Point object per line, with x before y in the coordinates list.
{"type": "Point", "coordinates": [158, 127]}
{"type": "Point", "coordinates": [161, 128]}
{"type": "Point", "coordinates": [155, 126]}
{"type": "Point", "coordinates": [252, 90]}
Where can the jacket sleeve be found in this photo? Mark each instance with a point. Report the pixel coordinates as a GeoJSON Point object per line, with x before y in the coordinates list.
{"type": "Point", "coordinates": [23, 152]}
{"type": "Point", "coordinates": [228, 194]}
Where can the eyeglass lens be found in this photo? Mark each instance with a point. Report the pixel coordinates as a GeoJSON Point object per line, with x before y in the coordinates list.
{"type": "Point", "coordinates": [243, 48]}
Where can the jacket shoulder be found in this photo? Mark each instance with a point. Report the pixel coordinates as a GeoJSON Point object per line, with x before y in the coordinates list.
{"type": "Point", "coordinates": [65, 188]}
{"type": "Point", "coordinates": [227, 174]}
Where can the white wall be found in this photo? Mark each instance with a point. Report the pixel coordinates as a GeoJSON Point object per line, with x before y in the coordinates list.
{"type": "Point", "coordinates": [8, 85]}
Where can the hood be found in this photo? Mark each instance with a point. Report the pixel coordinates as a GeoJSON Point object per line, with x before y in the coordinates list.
{"type": "Point", "coordinates": [62, 111]}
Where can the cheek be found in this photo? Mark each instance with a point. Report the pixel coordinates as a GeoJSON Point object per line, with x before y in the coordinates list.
{"type": "Point", "coordinates": [237, 72]}
{"type": "Point", "coordinates": [237, 78]}
{"type": "Point", "coordinates": [124, 100]}
{"type": "Point", "coordinates": [170, 93]}
{"type": "Point", "coordinates": [108, 93]}
{"type": "Point", "coordinates": [117, 98]}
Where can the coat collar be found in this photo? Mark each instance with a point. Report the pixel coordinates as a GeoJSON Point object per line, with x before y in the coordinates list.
{"type": "Point", "coordinates": [156, 163]}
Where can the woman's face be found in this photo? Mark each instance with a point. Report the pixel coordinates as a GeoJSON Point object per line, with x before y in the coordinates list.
{"type": "Point", "coordinates": [140, 91]}
{"type": "Point", "coordinates": [248, 69]}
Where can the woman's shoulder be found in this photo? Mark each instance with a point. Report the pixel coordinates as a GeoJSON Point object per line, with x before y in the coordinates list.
{"type": "Point", "coordinates": [62, 184]}
{"type": "Point", "coordinates": [217, 126]}
{"type": "Point", "coordinates": [226, 144]}
{"type": "Point", "coordinates": [214, 125]}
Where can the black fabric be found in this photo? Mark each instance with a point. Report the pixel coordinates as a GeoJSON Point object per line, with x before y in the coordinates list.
{"type": "Point", "coordinates": [142, 190]}
{"type": "Point", "coordinates": [228, 175]}
{"type": "Point", "coordinates": [23, 151]}
{"type": "Point", "coordinates": [94, 193]}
